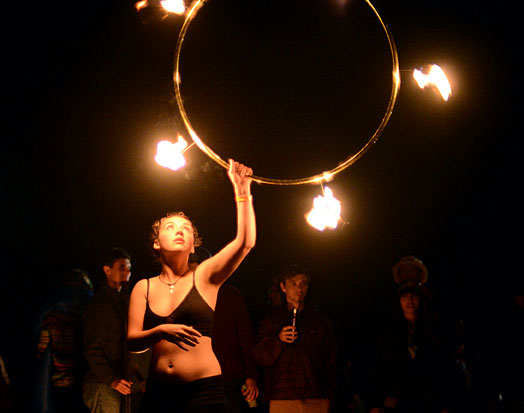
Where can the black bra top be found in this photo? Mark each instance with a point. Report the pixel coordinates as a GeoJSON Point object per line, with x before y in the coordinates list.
{"type": "Point", "coordinates": [193, 311]}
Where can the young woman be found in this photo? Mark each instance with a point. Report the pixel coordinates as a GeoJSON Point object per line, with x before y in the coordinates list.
{"type": "Point", "coordinates": [173, 312]}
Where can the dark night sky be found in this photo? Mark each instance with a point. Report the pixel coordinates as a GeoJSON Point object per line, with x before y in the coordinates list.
{"type": "Point", "coordinates": [90, 93]}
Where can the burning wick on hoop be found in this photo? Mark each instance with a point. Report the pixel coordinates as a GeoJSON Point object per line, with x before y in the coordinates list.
{"type": "Point", "coordinates": [433, 76]}
{"type": "Point", "coordinates": [170, 6]}
{"type": "Point", "coordinates": [171, 155]}
{"type": "Point", "coordinates": [326, 211]}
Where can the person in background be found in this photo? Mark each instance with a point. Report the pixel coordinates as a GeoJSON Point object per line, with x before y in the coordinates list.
{"type": "Point", "coordinates": [233, 341]}
{"type": "Point", "coordinates": [60, 364]}
{"type": "Point", "coordinates": [6, 402]}
{"type": "Point", "coordinates": [296, 346]}
{"type": "Point", "coordinates": [509, 351]}
{"type": "Point", "coordinates": [411, 365]}
{"type": "Point", "coordinates": [274, 293]}
{"type": "Point", "coordinates": [104, 332]}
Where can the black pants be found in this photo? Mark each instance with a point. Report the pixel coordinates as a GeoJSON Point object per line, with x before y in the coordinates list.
{"type": "Point", "coordinates": [200, 396]}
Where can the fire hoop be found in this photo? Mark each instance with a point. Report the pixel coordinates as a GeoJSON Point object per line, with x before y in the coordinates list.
{"type": "Point", "coordinates": [324, 176]}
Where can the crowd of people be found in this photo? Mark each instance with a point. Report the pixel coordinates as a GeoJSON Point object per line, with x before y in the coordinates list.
{"type": "Point", "coordinates": [288, 363]}
{"type": "Point", "coordinates": [183, 340]}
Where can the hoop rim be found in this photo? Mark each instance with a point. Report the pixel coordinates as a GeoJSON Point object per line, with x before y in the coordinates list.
{"type": "Point", "coordinates": [320, 177]}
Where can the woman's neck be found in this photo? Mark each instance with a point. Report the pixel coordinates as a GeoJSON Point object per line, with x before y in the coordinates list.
{"type": "Point", "coordinates": [173, 268]}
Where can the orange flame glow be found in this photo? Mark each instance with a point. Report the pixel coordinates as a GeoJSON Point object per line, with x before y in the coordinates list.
{"type": "Point", "coordinates": [170, 155]}
{"type": "Point", "coordinates": [434, 77]}
{"type": "Point", "coordinates": [174, 6]}
{"type": "Point", "coordinates": [140, 5]}
{"type": "Point", "coordinates": [326, 211]}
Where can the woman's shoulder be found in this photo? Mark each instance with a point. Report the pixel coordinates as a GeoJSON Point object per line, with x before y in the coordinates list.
{"type": "Point", "coordinates": [143, 284]}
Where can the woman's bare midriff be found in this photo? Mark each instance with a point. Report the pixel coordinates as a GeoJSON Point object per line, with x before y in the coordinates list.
{"type": "Point", "coordinates": [171, 364]}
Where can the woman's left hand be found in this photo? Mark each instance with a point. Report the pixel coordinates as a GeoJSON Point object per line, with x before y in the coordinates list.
{"type": "Point", "coordinates": [239, 176]}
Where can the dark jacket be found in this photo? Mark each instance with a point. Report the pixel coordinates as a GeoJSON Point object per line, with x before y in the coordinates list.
{"type": "Point", "coordinates": [301, 370]}
{"type": "Point", "coordinates": [233, 336]}
{"type": "Point", "coordinates": [104, 334]}
{"type": "Point", "coordinates": [411, 369]}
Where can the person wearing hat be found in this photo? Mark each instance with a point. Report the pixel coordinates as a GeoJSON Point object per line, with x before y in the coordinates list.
{"type": "Point", "coordinates": [410, 372]}
{"type": "Point", "coordinates": [410, 270]}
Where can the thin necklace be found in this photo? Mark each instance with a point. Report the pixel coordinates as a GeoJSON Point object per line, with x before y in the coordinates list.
{"type": "Point", "coordinates": [172, 285]}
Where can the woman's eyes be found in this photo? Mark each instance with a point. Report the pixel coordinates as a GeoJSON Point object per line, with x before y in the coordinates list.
{"type": "Point", "coordinates": [184, 228]}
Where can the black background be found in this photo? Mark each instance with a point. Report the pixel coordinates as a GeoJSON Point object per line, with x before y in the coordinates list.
{"type": "Point", "coordinates": [89, 93]}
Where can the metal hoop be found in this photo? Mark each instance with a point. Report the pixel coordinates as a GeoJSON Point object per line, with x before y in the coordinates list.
{"type": "Point", "coordinates": [324, 176]}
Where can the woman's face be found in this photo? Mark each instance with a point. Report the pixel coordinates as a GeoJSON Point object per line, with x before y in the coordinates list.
{"type": "Point", "coordinates": [410, 303]}
{"type": "Point", "coordinates": [175, 234]}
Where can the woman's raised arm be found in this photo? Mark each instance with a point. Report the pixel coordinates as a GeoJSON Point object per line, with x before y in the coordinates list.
{"type": "Point", "coordinates": [219, 267]}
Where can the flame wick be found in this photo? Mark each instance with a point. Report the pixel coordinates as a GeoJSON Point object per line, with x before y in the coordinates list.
{"type": "Point", "coordinates": [187, 148]}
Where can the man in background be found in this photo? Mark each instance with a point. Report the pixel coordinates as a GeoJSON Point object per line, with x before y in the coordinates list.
{"type": "Point", "coordinates": [297, 347]}
{"type": "Point", "coordinates": [104, 344]}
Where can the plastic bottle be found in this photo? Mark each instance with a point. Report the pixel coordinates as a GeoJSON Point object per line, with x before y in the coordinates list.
{"type": "Point", "coordinates": [252, 403]}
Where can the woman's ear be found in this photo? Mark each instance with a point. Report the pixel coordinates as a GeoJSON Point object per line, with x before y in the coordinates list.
{"type": "Point", "coordinates": [156, 245]}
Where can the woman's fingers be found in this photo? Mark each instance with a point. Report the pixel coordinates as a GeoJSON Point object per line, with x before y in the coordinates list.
{"type": "Point", "coordinates": [182, 342]}
{"type": "Point", "coordinates": [239, 169]}
{"type": "Point", "coordinates": [181, 334]}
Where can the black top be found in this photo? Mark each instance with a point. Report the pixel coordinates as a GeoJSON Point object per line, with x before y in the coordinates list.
{"type": "Point", "coordinates": [193, 311]}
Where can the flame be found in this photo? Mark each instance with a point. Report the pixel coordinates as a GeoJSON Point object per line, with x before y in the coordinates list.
{"type": "Point", "coordinates": [434, 77]}
{"type": "Point", "coordinates": [174, 6]}
{"type": "Point", "coordinates": [170, 155]}
{"type": "Point", "coordinates": [171, 6]}
{"type": "Point", "coordinates": [326, 211]}
{"type": "Point", "coordinates": [141, 4]}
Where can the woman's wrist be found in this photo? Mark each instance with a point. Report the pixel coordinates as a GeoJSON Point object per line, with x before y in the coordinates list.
{"type": "Point", "coordinates": [159, 332]}
{"type": "Point", "coordinates": [242, 190]}
{"type": "Point", "coordinates": [243, 194]}
{"type": "Point", "coordinates": [243, 198]}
